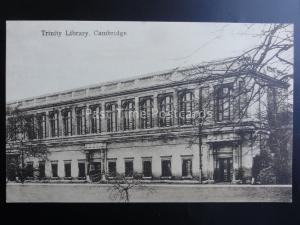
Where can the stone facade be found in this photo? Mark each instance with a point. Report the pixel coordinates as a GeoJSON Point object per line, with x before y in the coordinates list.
{"type": "Point", "coordinates": [123, 146]}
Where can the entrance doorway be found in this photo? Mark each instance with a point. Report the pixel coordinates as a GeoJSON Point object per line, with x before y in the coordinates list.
{"type": "Point", "coordinates": [223, 171]}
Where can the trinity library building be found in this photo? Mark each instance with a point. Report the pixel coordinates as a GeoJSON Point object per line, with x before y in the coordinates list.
{"type": "Point", "coordinates": [182, 124]}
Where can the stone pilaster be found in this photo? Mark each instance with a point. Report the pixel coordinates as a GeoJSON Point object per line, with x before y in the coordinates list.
{"type": "Point", "coordinates": [119, 118]}
{"type": "Point", "coordinates": [48, 128]}
{"type": "Point", "coordinates": [175, 108]}
{"type": "Point", "coordinates": [98, 119]}
{"type": "Point", "coordinates": [103, 119]}
{"type": "Point", "coordinates": [74, 122]}
{"type": "Point", "coordinates": [155, 111]}
{"type": "Point", "coordinates": [137, 112]}
{"type": "Point", "coordinates": [60, 123]}
{"type": "Point", "coordinates": [87, 118]}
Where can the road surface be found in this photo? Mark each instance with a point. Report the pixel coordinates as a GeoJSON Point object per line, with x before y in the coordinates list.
{"type": "Point", "coordinates": [151, 193]}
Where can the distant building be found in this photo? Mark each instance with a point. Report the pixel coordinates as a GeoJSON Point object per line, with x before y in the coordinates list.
{"type": "Point", "coordinates": [143, 125]}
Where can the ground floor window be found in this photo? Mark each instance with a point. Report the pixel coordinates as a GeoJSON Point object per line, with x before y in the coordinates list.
{"type": "Point", "coordinates": [128, 168]}
{"type": "Point", "coordinates": [147, 168]}
{"type": "Point", "coordinates": [166, 167]}
{"type": "Point", "coordinates": [42, 169]}
{"type": "Point", "coordinates": [81, 169]}
{"type": "Point", "coordinates": [54, 169]}
{"type": "Point", "coordinates": [67, 168]}
{"type": "Point", "coordinates": [112, 170]}
{"type": "Point", "coordinates": [187, 167]}
{"type": "Point", "coordinates": [29, 169]}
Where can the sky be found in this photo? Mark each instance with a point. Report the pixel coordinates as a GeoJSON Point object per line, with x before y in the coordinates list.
{"type": "Point", "coordinates": [38, 64]}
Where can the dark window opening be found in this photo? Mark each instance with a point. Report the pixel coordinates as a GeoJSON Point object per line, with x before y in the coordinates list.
{"type": "Point", "coordinates": [223, 102]}
{"type": "Point", "coordinates": [41, 125]}
{"type": "Point", "coordinates": [165, 110]}
{"type": "Point", "coordinates": [81, 169]}
{"type": "Point", "coordinates": [53, 119]}
{"type": "Point", "coordinates": [166, 168]}
{"type": "Point", "coordinates": [67, 169]}
{"type": "Point", "coordinates": [67, 122]}
{"type": "Point", "coordinates": [30, 127]}
{"type": "Point", "coordinates": [95, 119]}
{"type": "Point", "coordinates": [112, 171]}
{"type": "Point", "coordinates": [128, 115]}
{"type": "Point", "coordinates": [54, 170]}
{"type": "Point", "coordinates": [81, 120]}
{"type": "Point", "coordinates": [186, 167]}
{"type": "Point", "coordinates": [147, 168]}
{"type": "Point", "coordinates": [186, 107]}
{"type": "Point", "coordinates": [29, 169]}
{"type": "Point", "coordinates": [128, 168]}
{"type": "Point", "coordinates": [146, 106]}
{"type": "Point", "coordinates": [42, 169]}
{"type": "Point", "coordinates": [112, 117]}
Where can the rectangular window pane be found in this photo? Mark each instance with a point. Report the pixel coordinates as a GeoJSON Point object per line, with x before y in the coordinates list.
{"type": "Point", "coordinates": [166, 168]}
{"type": "Point", "coordinates": [29, 169]}
{"type": "Point", "coordinates": [54, 169]}
{"type": "Point", "coordinates": [112, 169]}
{"type": "Point", "coordinates": [81, 169]}
{"type": "Point", "coordinates": [67, 169]}
{"type": "Point", "coordinates": [41, 169]}
{"type": "Point", "coordinates": [128, 168]}
{"type": "Point", "coordinates": [186, 167]}
{"type": "Point", "coordinates": [147, 168]}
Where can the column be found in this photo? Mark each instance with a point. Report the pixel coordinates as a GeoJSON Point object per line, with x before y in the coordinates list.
{"type": "Point", "coordinates": [87, 118]}
{"type": "Point", "coordinates": [137, 112]}
{"type": "Point", "coordinates": [155, 110]}
{"type": "Point", "coordinates": [119, 119]}
{"type": "Point", "coordinates": [98, 119]}
{"type": "Point", "coordinates": [87, 164]}
{"type": "Point", "coordinates": [103, 119]}
{"type": "Point", "coordinates": [60, 123]}
{"type": "Point", "coordinates": [74, 122]}
{"type": "Point", "coordinates": [35, 126]}
{"type": "Point", "coordinates": [48, 128]}
{"type": "Point", "coordinates": [175, 108]}
{"type": "Point", "coordinates": [233, 161]}
{"type": "Point", "coordinates": [103, 164]}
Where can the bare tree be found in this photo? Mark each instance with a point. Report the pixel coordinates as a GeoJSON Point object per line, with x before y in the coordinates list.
{"type": "Point", "coordinates": [272, 56]}
{"type": "Point", "coordinates": [122, 186]}
{"type": "Point", "coordinates": [22, 141]}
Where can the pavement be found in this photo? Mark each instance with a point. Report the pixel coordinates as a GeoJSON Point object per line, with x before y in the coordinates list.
{"type": "Point", "coordinates": [43, 192]}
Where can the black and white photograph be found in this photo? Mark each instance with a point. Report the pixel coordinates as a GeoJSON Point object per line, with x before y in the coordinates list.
{"type": "Point", "coordinates": [124, 111]}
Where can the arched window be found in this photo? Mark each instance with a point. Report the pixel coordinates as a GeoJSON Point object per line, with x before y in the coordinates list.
{"type": "Point", "coordinates": [67, 122]}
{"type": "Point", "coordinates": [223, 102]}
{"type": "Point", "coordinates": [81, 120]}
{"type": "Point", "coordinates": [165, 110]}
{"type": "Point", "coordinates": [128, 109]}
{"type": "Point", "coordinates": [95, 119]}
{"type": "Point", "coordinates": [146, 106]}
{"type": "Point", "coordinates": [186, 107]}
{"type": "Point", "coordinates": [111, 116]}
{"type": "Point", "coordinates": [41, 125]}
{"type": "Point", "coordinates": [53, 119]}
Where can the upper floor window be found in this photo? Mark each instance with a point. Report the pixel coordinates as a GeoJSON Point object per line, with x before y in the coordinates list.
{"type": "Point", "coordinates": [128, 114]}
{"type": "Point", "coordinates": [186, 107]}
{"type": "Point", "coordinates": [81, 120]}
{"type": "Point", "coordinates": [53, 119]}
{"type": "Point", "coordinates": [223, 102]}
{"type": "Point", "coordinates": [67, 122]}
{"type": "Point", "coordinates": [41, 125]}
{"type": "Point", "coordinates": [146, 106]}
{"type": "Point", "coordinates": [242, 99]}
{"type": "Point", "coordinates": [95, 119]}
{"type": "Point", "coordinates": [111, 116]}
{"type": "Point", "coordinates": [30, 127]}
{"type": "Point", "coordinates": [165, 109]}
